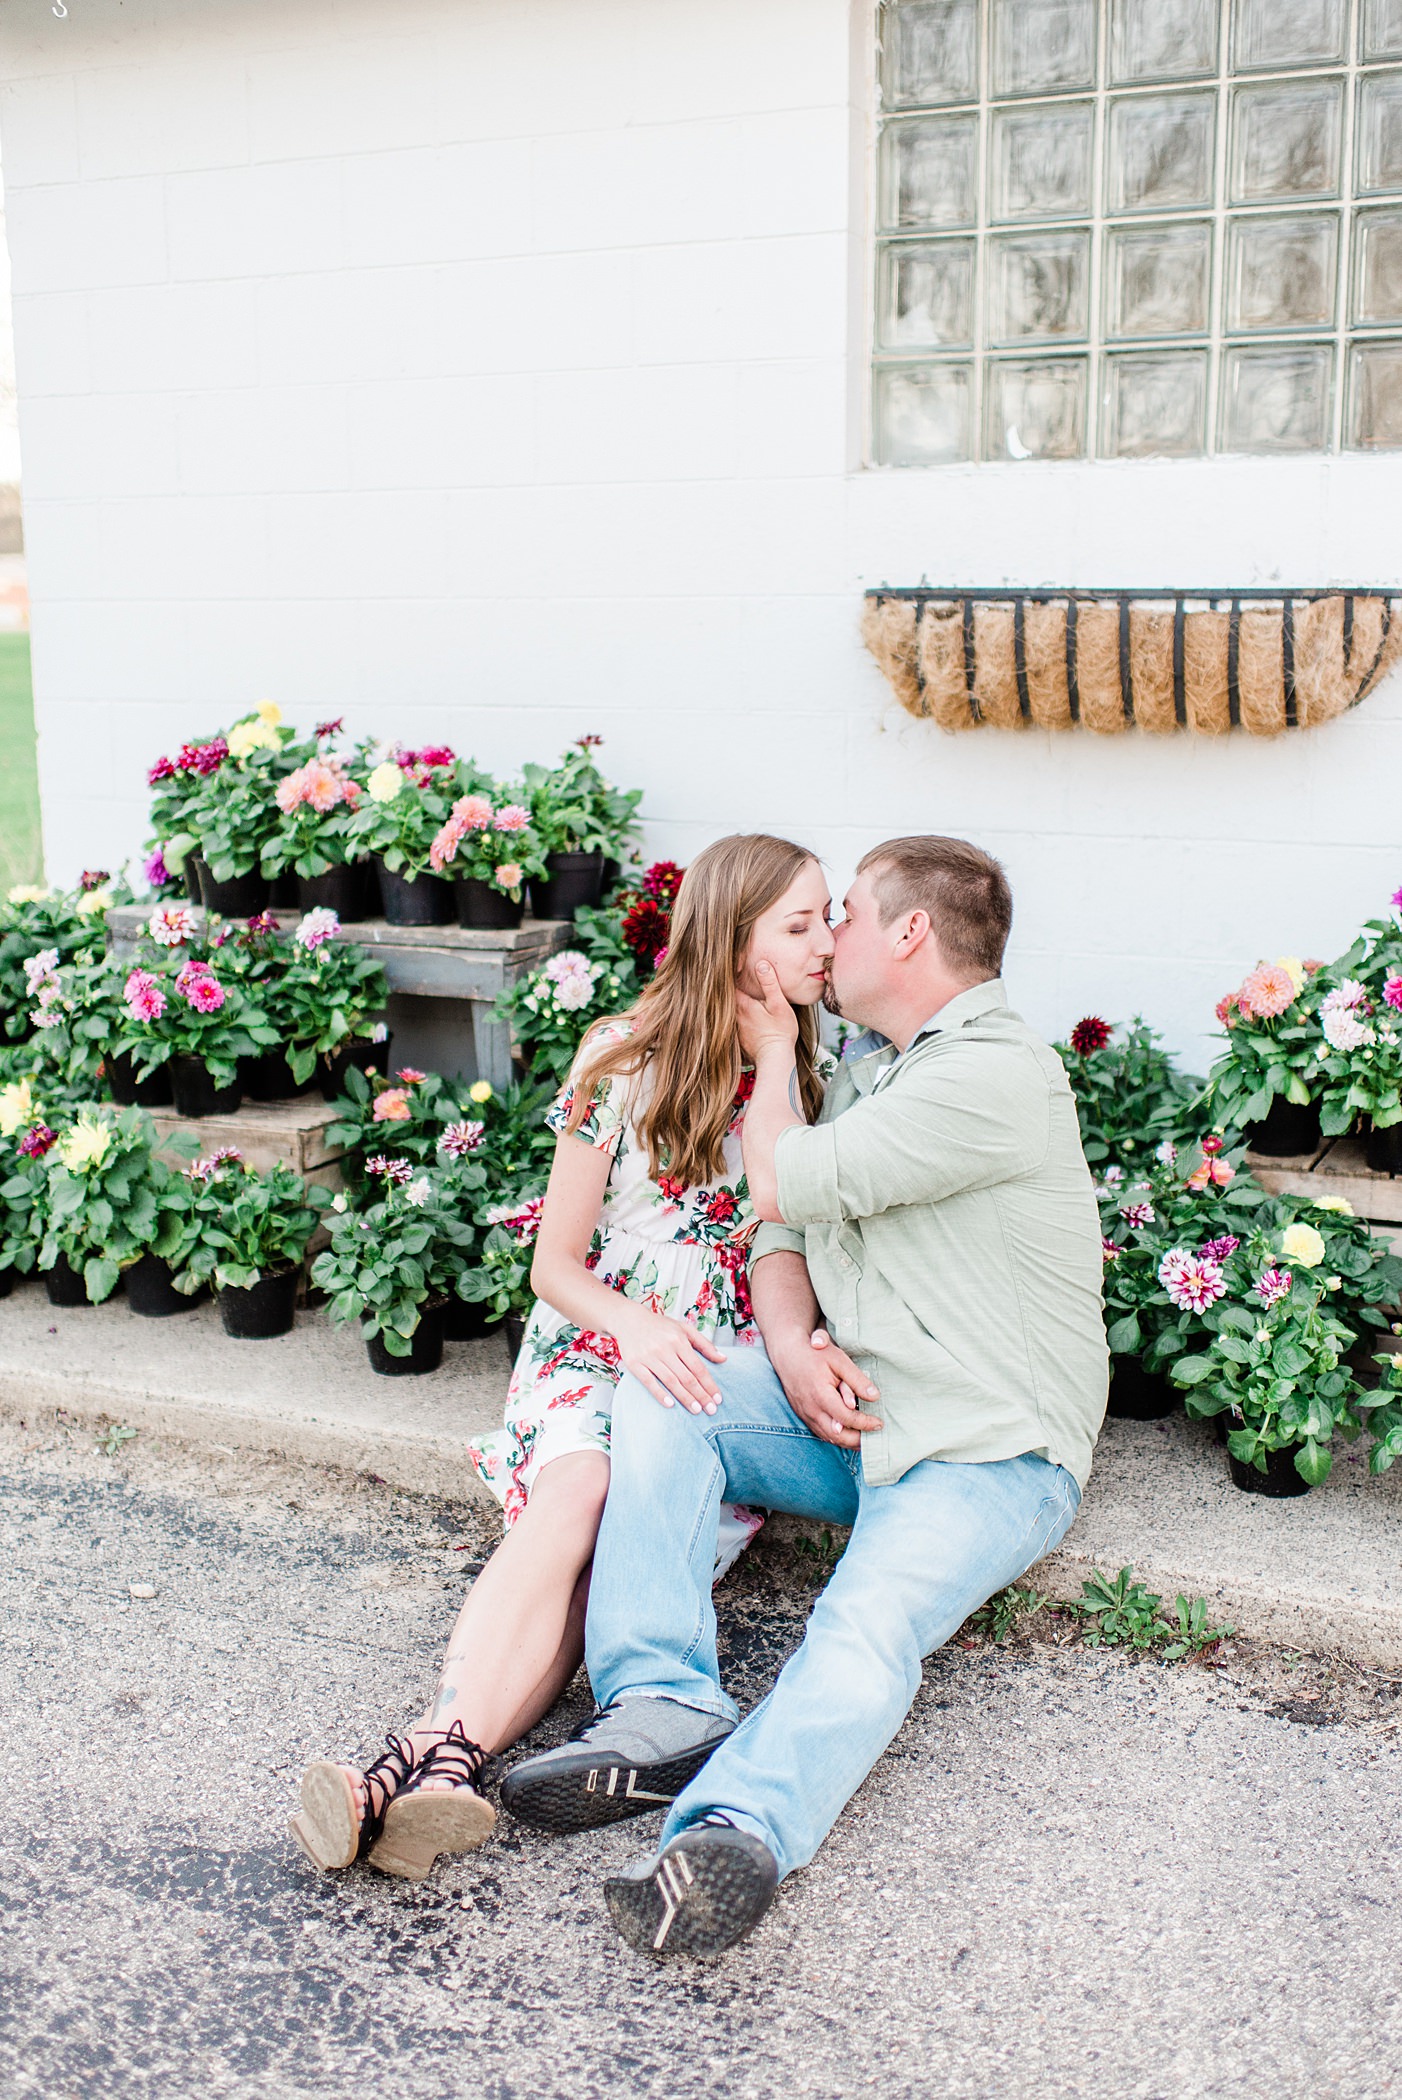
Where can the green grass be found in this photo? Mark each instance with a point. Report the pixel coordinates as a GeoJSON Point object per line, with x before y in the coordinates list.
{"type": "Point", "coordinates": [21, 853]}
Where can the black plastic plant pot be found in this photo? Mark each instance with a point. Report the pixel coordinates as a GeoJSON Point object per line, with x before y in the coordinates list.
{"type": "Point", "coordinates": [360, 1055]}
{"type": "Point", "coordinates": [284, 890]}
{"type": "Point", "coordinates": [425, 1348]}
{"type": "Point", "coordinates": [195, 1093]}
{"type": "Point", "coordinates": [1281, 1477]}
{"type": "Point", "coordinates": [65, 1284]}
{"type": "Point", "coordinates": [191, 875]}
{"type": "Point", "coordinates": [260, 1311]}
{"type": "Point", "coordinates": [7, 1282]}
{"type": "Point", "coordinates": [130, 1092]}
{"type": "Point", "coordinates": [339, 890]}
{"type": "Point", "coordinates": [150, 1290]}
{"type": "Point", "coordinates": [483, 908]}
{"type": "Point", "coordinates": [269, 1078]}
{"type": "Point", "coordinates": [424, 900]}
{"type": "Point", "coordinates": [1288, 1131]}
{"type": "Point", "coordinates": [464, 1322]}
{"type": "Point", "coordinates": [573, 882]}
{"type": "Point", "coordinates": [1137, 1395]}
{"type": "Point", "coordinates": [239, 898]}
{"type": "Point", "coordinates": [514, 1326]}
{"type": "Point", "coordinates": [1382, 1149]}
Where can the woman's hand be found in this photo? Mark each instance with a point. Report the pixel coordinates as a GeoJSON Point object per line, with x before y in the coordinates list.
{"type": "Point", "coordinates": [766, 1023]}
{"type": "Point", "coordinates": [670, 1359]}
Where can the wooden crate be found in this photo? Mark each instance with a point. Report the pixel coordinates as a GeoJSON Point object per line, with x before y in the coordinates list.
{"type": "Point", "coordinates": [1337, 1168]}
{"type": "Point", "coordinates": [262, 1133]}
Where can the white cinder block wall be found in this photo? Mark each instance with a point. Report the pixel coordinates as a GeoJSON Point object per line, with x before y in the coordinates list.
{"type": "Point", "coordinates": [493, 370]}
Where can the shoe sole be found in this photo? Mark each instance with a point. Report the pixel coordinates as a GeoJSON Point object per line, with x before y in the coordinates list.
{"type": "Point", "coordinates": [328, 1826]}
{"type": "Point", "coordinates": [587, 1794]}
{"type": "Point", "coordinates": [421, 1825]}
{"type": "Point", "coordinates": [697, 1901]}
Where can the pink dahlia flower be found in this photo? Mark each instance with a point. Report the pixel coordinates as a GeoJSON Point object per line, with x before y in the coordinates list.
{"type": "Point", "coordinates": [1137, 1213]}
{"type": "Point", "coordinates": [163, 769]}
{"type": "Point", "coordinates": [397, 1171]}
{"type": "Point", "coordinates": [1266, 991]}
{"type": "Point", "coordinates": [1218, 1250]}
{"type": "Point", "coordinates": [411, 1075]}
{"type": "Point", "coordinates": [37, 1140]}
{"type": "Point", "coordinates": [392, 1106]}
{"type": "Point", "coordinates": [473, 811]}
{"type": "Point", "coordinates": [509, 875]}
{"type": "Point", "coordinates": [1193, 1282]}
{"type": "Point", "coordinates": [1272, 1285]}
{"type": "Point", "coordinates": [1109, 1251]}
{"type": "Point", "coordinates": [155, 871]}
{"type": "Point", "coordinates": [145, 999]}
{"type": "Point", "coordinates": [461, 1138]}
{"type": "Point", "coordinates": [320, 783]}
{"type": "Point", "coordinates": [198, 985]}
{"type": "Point", "coordinates": [1392, 990]}
{"type": "Point", "coordinates": [1343, 1016]}
{"type": "Point", "coordinates": [315, 928]}
{"type": "Point", "coordinates": [512, 818]}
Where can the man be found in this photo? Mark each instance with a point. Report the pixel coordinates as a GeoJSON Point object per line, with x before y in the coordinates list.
{"type": "Point", "coordinates": [944, 1402]}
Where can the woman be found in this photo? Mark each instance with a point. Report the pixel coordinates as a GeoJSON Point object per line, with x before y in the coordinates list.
{"type": "Point", "coordinates": [639, 1266]}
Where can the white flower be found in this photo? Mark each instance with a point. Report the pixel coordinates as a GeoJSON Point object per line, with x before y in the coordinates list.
{"type": "Point", "coordinates": [39, 970]}
{"type": "Point", "coordinates": [170, 925]}
{"type": "Point", "coordinates": [27, 893]}
{"type": "Point", "coordinates": [1341, 1016]}
{"type": "Point", "coordinates": [1112, 1175]}
{"type": "Point", "coordinates": [573, 992]}
{"type": "Point", "coordinates": [315, 927]}
{"type": "Point", "coordinates": [416, 1192]}
{"type": "Point", "coordinates": [338, 1201]}
{"type": "Point", "coordinates": [384, 783]}
{"type": "Point", "coordinates": [1166, 1153]}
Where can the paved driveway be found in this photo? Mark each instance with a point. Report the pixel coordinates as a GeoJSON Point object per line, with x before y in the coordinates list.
{"type": "Point", "coordinates": [1070, 1875]}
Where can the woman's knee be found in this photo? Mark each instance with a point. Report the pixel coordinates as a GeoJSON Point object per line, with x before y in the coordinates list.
{"type": "Point", "coordinates": [571, 1490]}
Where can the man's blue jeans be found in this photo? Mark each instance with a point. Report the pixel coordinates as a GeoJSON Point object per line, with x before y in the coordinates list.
{"type": "Point", "coordinates": [924, 1552]}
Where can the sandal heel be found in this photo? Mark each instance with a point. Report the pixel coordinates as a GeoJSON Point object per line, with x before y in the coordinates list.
{"type": "Point", "coordinates": [418, 1829]}
{"type": "Point", "coordinates": [328, 1826]}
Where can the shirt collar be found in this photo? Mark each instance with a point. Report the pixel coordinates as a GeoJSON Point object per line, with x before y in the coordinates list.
{"type": "Point", "coordinates": [967, 1006]}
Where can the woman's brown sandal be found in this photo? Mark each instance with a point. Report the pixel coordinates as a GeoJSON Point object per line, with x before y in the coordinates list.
{"type": "Point", "coordinates": [422, 1820]}
{"type": "Point", "coordinates": [339, 1821]}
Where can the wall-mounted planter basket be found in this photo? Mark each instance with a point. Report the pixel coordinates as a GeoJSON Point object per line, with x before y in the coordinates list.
{"type": "Point", "coordinates": [1116, 660]}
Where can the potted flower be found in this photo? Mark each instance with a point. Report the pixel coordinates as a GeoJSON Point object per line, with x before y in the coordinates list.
{"type": "Point", "coordinates": [1267, 1081]}
{"type": "Point", "coordinates": [406, 803]}
{"type": "Point", "coordinates": [182, 1012]}
{"type": "Point", "coordinates": [232, 816]}
{"type": "Point", "coordinates": [406, 1116]}
{"type": "Point", "coordinates": [491, 852]}
{"type": "Point", "coordinates": [586, 826]}
{"type": "Point", "coordinates": [317, 992]}
{"type": "Point", "coordinates": [97, 1206]}
{"type": "Point", "coordinates": [175, 785]}
{"type": "Point", "coordinates": [1130, 1097]}
{"type": "Point", "coordinates": [62, 926]}
{"type": "Point", "coordinates": [255, 1228]}
{"type": "Point", "coordinates": [1360, 1052]}
{"type": "Point", "coordinates": [553, 1008]}
{"type": "Point", "coordinates": [316, 802]}
{"type": "Point", "coordinates": [394, 1264]}
{"type": "Point", "coordinates": [502, 1279]}
{"type": "Point", "coordinates": [1276, 1366]}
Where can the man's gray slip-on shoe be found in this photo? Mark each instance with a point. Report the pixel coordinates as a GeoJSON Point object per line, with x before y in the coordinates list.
{"type": "Point", "coordinates": [635, 1755]}
{"type": "Point", "coordinates": [709, 1888]}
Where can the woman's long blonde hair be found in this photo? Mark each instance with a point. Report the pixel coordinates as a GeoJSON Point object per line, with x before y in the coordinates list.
{"type": "Point", "coordinates": [682, 1031]}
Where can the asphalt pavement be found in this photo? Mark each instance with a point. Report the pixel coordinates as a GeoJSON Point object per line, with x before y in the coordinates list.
{"type": "Point", "coordinates": [1073, 1874]}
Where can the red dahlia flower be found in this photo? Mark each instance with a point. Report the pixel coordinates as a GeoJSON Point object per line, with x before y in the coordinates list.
{"type": "Point", "coordinates": [1090, 1035]}
{"type": "Point", "coordinates": [662, 881]}
{"type": "Point", "coordinates": [646, 930]}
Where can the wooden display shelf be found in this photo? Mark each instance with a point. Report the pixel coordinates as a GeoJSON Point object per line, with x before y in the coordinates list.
{"type": "Point", "coordinates": [263, 1133]}
{"type": "Point", "coordinates": [443, 980]}
{"type": "Point", "coordinates": [1337, 1168]}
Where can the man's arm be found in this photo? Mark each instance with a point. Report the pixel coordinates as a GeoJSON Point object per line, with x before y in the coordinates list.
{"type": "Point", "coordinates": [821, 1384]}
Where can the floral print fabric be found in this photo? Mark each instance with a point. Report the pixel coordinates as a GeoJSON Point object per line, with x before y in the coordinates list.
{"type": "Point", "coordinates": [680, 1251]}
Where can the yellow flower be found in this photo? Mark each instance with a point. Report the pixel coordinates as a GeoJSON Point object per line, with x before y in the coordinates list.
{"type": "Point", "coordinates": [252, 735]}
{"type": "Point", "coordinates": [16, 1106]}
{"type": "Point", "coordinates": [480, 1090]}
{"type": "Point", "coordinates": [28, 893]}
{"type": "Point", "coordinates": [93, 901]}
{"type": "Point", "coordinates": [385, 782]}
{"type": "Point", "coordinates": [1302, 1244]}
{"type": "Point", "coordinates": [1338, 1203]}
{"type": "Point", "coordinates": [86, 1145]}
{"type": "Point", "coordinates": [269, 712]}
{"type": "Point", "coordinates": [1294, 969]}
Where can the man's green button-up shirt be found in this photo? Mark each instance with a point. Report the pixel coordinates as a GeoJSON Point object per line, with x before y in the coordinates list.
{"type": "Point", "coordinates": [946, 1210]}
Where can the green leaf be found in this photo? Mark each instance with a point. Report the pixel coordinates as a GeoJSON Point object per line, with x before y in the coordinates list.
{"type": "Point", "coordinates": [1125, 1336]}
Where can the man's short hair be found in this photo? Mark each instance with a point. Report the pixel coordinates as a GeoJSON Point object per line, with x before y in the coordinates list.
{"type": "Point", "coordinates": [963, 889]}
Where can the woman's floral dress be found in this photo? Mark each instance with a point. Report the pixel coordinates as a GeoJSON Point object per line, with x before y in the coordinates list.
{"type": "Point", "coordinates": [680, 1251]}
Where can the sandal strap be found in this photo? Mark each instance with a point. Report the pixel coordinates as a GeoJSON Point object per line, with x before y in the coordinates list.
{"type": "Point", "coordinates": [387, 1776]}
{"type": "Point", "coordinates": [454, 1757]}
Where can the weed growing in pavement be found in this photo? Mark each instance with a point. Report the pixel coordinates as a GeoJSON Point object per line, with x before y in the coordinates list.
{"type": "Point", "coordinates": [110, 1440]}
{"type": "Point", "coordinates": [821, 1554]}
{"type": "Point", "coordinates": [1112, 1611]}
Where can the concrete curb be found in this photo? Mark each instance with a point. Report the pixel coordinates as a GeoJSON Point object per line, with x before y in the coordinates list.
{"type": "Point", "coordinates": [1320, 1572]}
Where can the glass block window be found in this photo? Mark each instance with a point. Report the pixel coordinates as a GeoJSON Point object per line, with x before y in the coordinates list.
{"type": "Point", "coordinates": [1117, 228]}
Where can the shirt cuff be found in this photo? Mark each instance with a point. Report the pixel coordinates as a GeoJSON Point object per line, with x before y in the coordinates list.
{"type": "Point", "coordinates": [805, 1175]}
{"type": "Point", "coordinates": [777, 1239]}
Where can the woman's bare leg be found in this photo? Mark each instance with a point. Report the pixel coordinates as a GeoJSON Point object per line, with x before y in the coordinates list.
{"type": "Point", "coordinates": [519, 1637]}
